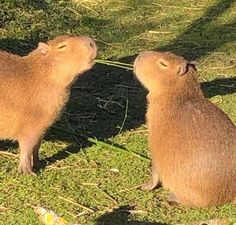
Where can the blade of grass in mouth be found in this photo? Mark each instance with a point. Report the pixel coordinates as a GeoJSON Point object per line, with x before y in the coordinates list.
{"type": "Point", "coordinates": [115, 64]}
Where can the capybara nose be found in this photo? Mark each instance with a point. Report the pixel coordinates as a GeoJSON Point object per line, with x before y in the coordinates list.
{"type": "Point", "coordinates": [144, 54]}
{"type": "Point", "coordinates": [140, 57]}
{"type": "Point", "coordinates": [92, 44]}
{"type": "Point", "coordinates": [87, 41]}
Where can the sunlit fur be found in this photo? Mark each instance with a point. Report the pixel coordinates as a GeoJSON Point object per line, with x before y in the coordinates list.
{"type": "Point", "coordinates": [192, 142]}
{"type": "Point", "coordinates": [34, 88]}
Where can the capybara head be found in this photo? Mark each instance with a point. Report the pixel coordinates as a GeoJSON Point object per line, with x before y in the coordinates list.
{"type": "Point", "coordinates": [158, 71]}
{"type": "Point", "coordinates": [70, 55]}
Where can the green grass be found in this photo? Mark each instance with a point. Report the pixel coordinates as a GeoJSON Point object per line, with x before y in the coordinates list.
{"type": "Point", "coordinates": [108, 104]}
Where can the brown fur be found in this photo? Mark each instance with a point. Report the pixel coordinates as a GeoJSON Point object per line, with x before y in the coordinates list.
{"type": "Point", "coordinates": [192, 142]}
{"type": "Point", "coordinates": [34, 88]}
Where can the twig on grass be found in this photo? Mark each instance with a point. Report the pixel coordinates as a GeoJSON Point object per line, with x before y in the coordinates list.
{"type": "Point", "coordinates": [90, 9]}
{"type": "Point", "coordinates": [75, 203]}
{"type": "Point", "coordinates": [129, 189]}
{"type": "Point", "coordinates": [80, 214]}
{"type": "Point", "coordinates": [108, 196]}
{"type": "Point", "coordinates": [125, 115]}
{"type": "Point", "coordinates": [9, 154]}
{"type": "Point", "coordinates": [57, 167]}
{"type": "Point", "coordinates": [101, 190]}
{"type": "Point", "coordinates": [159, 32]}
{"type": "Point", "coordinates": [133, 211]}
{"type": "Point", "coordinates": [116, 209]}
{"type": "Point", "coordinates": [90, 184]}
{"type": "Point", "coordinates": [104, 144]}
{"type": "Point", "coordinates": [219, 67]}
{"type": "Point", "coordinates": [180, 7]}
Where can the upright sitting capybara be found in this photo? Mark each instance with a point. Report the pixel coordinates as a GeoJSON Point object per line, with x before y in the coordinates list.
{"type": "Point", "coordinates": [34, 88]}
{"type": "Point", "coordinates": [192, 142]}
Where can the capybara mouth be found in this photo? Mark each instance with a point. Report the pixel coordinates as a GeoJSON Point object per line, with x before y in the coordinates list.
{"type": "Point", "coordinates": [91, 64]}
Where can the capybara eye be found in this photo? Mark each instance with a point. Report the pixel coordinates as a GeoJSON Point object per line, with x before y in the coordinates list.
{"type": "Point", "coordinates": [62, 46]}
{"type": "Point", "coordinates": [162, 63]}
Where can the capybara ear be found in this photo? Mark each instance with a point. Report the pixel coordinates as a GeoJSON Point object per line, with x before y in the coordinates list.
{"type": "Point", "coordinates": [183, 67]}
{"type": "Point", "coordinates": [193, 64]}
{"type": "Point", "coordinates": [163, 63]}
{"type": "Point", "coordinates": [43, 48]}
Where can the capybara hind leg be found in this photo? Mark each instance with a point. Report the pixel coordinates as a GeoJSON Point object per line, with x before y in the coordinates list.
{"type": "Point", "coordinates": [153, 182]}
{"type": "Point", "coordinates": [172, 198]}
{"type": "Point", "coordinates": [189, 199]}
{"type": "Point", "coordinates": [27, 146]}
{"type": "Point", "coordinates": [234, 201]}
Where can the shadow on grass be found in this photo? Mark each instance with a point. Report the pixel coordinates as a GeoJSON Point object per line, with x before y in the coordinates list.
{"type": "Point", "coordinates": [107, 100]}
{"type": "Point", "coordinates": [222, 86]}
{"type": "Point", "coordinates": [18, 46]}
{"type": "Point", "coordinates": [104, 102]}
{"type": "Point", "coordinates": [121, 216]}
{"type": "Point", "coordinates": [204, 35]}
{"type": "Point", "coordinates": [5, 145]}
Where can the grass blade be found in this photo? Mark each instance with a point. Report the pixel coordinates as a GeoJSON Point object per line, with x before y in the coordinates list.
{"type": "Point", "coordinates": [103, 144]}
{"type": "Point", "coordinates": [115, 64]}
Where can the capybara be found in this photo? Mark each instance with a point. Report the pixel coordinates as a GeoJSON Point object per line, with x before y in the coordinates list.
{"type": "Point", "coordinates": [34, 88]}
{"type": "Point", "coordinates": [192, 142]}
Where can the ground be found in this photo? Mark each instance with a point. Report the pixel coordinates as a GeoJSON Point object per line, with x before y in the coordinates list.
{"type": "Point", "coordinates": [92, 183]}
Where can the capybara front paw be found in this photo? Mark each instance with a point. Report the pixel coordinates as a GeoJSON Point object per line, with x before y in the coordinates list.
{"type": "Point", "coordinates": [25, 169]}
{"type": "Point", "coordinates": [148, 186]}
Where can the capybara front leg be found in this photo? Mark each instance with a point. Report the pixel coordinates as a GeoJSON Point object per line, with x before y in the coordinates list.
{"type": "Point", "coordinates": [27, 146]}
{"type": "Point", "coordinates": [36, 162]}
